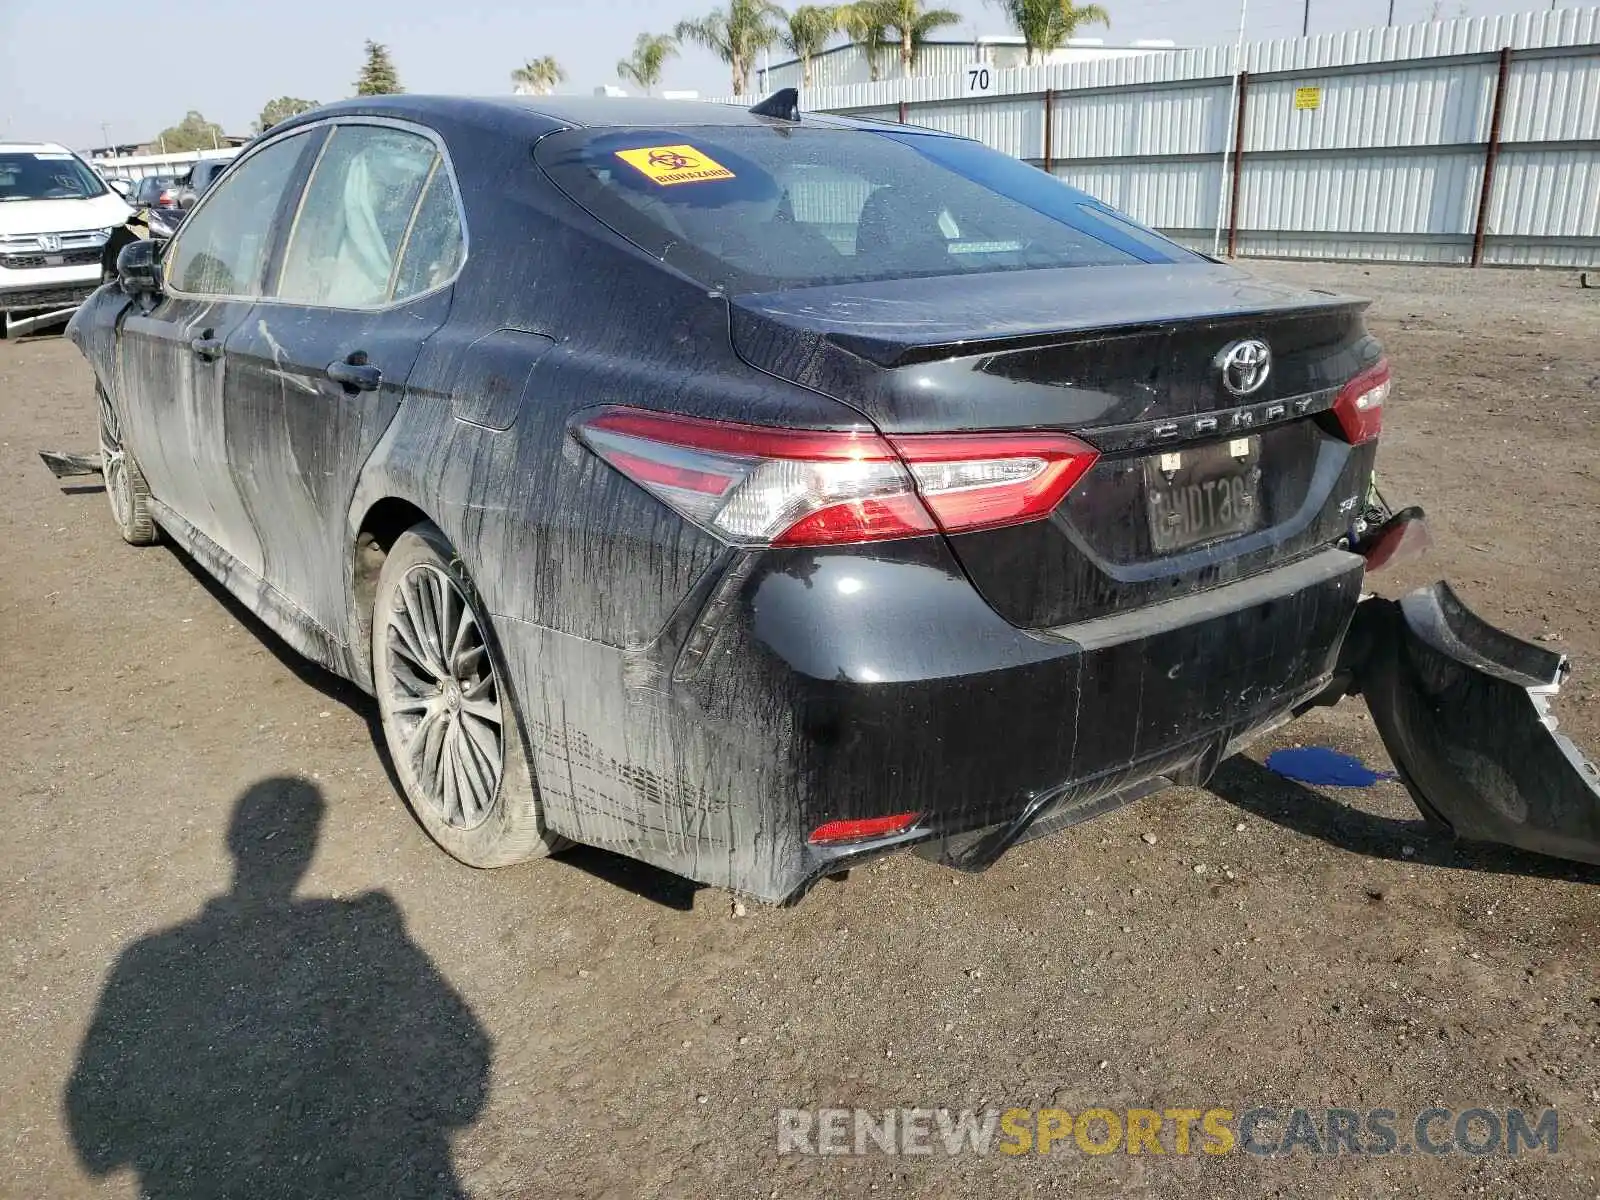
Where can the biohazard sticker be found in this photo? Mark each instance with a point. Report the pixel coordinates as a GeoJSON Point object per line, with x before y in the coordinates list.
{"type": "Point", "coordinates": [668, 165]}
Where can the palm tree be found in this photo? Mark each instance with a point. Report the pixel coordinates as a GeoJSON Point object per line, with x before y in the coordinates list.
{"type": "Point", "coordinates": [863, 22]}
{"type": "Point", "coordinates": [537, 76]}
{"type": "Point", "coordinates": [650, 52]}
{"type": "Point", "coordinates": [809, 28]}
{"type": "Point", "coordinates": [911, 24]}
{"type": "Point", "coordinates": [1046, 24]}
{"type": "Point", "coordinates": [735, 35]}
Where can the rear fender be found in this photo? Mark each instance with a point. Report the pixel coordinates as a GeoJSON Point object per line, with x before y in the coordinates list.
{"type": "Point", "coordinates": [1463, 709]}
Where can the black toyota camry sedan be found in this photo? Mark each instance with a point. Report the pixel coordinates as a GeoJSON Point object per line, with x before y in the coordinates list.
{"type": "Point", "coordinates": [753, 492]}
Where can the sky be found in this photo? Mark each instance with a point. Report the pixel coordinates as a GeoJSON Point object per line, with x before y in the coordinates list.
{"type": "Point", "coordinates": [137, 68]}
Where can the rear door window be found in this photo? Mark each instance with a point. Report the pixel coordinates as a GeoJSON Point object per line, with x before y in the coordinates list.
{"type": "Point", "coordinates": [348, 239]}
{"type": "Point", "coordinates": [761, 208]}
{"type": "Point", "coordinates": [435, 244]}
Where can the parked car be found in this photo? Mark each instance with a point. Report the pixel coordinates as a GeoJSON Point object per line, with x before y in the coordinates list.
{"type": "Point", "coordinates": [156, 191]}
{"type": "Point", "coordinates": [755, 494]}
{"type": "Point", "coordinates": [159, 210]}
{"type": "Point", "coordinates": [161, 207]}
{"type": "Point", "coordinates": [55, 216]}
{"type": "Point", "coordinates": [194, 181]}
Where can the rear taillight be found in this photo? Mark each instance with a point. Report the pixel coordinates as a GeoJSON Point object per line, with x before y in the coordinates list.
{"type": "Point", "coordinates": [986, 480]}
{"type": "Point", "coordinates": [1359, 406]}
{"type": "Point", "coordinates": [753, 484]}
{"type": "Point", "coordinates": [862, 829]}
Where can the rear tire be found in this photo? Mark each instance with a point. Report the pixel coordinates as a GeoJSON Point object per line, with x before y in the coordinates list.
{"type": "Point", "coordinates": [448, 715]}
{"type": "Point", "coordinates": [126, 488]}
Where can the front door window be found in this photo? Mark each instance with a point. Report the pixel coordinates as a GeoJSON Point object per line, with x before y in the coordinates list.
{"type": "Point", "coordinates": [222, 248]}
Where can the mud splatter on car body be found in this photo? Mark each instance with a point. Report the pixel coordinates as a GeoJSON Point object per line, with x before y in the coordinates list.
{"type": "Point", "coordinates": [708, 702]}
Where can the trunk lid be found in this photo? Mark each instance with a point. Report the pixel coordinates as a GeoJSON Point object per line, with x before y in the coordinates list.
{"type": "Point", "coordinates": [1196, 485]}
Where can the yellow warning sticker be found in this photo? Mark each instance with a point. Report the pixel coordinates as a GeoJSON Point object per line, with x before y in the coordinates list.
{"type": "Point", "coordinates": [668, 165]}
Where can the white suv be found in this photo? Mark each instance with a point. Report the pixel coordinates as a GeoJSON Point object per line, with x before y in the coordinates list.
{"type": "Point", "coordinates": [55, 215]}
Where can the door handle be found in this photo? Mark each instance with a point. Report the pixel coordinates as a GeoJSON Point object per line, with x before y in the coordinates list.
{"type": "Point", "coordinates": [206, 345]}
{"type": "Point", "coordinates": [355, 373]}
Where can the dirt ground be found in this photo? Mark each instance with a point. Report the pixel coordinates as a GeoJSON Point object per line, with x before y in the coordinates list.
{"type": "Point", "coordinates": [587, 1027]}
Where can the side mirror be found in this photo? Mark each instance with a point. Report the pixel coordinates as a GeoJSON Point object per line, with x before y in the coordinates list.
{"type": "Point", "coordinates": [121, 187]}
{"type": "Point", "coordinates": [139, 268]}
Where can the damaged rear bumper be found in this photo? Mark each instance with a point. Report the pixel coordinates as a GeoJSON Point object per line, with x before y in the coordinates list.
{"type": "Point", "coordinates": [811, 688]}
{"type": "Point", "coordinates": [898, 689]}
{"type": "Point", "coordinates": [803, 688]}
{"type": "Point", "coordinates": [1463, 709]}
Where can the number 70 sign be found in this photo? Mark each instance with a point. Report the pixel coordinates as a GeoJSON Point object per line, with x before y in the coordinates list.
{"type": "Point", "coordinates": [979, 78]}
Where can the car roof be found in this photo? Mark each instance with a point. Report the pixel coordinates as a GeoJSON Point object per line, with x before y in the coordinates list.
{"type": "Point", "coordinates": [601, 111]}
{"type": "Point", "coordinates": [32, 148]}
{"type": "Point", "coordinates": [573, 111]}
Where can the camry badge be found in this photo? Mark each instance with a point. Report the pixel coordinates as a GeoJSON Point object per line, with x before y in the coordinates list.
{"type": "Point", "coordinates": [1245, 365]}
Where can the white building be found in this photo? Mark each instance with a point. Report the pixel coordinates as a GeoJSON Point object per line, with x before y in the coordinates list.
{"type": "Point", "coordinates": [848, 63]}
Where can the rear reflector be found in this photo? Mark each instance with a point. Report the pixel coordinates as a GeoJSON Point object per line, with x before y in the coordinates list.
{"type": "Point", "coordinates": [835, 832]}
{"type": "Point", "coordinates": [1359, 406]}
{"type": "Point", "coordinates": [757, 485]}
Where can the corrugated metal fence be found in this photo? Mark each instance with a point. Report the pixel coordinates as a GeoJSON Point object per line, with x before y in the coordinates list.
{"type": "Point", "coordinates": [1454, 141]}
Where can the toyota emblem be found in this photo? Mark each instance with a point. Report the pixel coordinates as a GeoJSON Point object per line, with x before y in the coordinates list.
{"type": "Point", "coordinates": [1245, 365]}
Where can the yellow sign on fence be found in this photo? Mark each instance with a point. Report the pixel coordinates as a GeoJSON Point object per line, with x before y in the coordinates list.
{"type": "Point", "coordinates": [1308, 97]}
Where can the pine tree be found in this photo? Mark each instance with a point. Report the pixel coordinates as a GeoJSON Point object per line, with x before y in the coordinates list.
{"type": "Point", "coordinates": [378, 76]}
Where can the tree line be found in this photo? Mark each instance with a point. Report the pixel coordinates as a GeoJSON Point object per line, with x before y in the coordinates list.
{"type": "Point", "coordinates": [737, 34]}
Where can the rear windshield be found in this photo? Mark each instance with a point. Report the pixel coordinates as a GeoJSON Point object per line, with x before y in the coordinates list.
{"type": "Point", "coordinates": [760, 208]}
{"type": "Point", "coordinates": [46, 175]}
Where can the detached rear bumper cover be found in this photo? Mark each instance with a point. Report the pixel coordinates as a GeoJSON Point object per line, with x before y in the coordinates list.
{"type": "Point", "coordinates": [1463, 710]}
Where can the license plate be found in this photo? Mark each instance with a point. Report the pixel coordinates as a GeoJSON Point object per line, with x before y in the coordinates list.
{"type": "Point", "coordinates": [1201, 495]}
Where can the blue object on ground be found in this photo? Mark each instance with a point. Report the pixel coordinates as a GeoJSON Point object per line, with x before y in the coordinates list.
{"type": "Point", "coordinates": [1324, 765]}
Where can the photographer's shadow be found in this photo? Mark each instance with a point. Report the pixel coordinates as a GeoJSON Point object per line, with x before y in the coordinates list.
{"type": "Point", "coordinates": [279, 1047]}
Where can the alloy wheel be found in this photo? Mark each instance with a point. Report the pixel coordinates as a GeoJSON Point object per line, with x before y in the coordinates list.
{"type": "Point", "coordinates": [114, 465]}
{"type": "Point", "coordinates": [444, 697]}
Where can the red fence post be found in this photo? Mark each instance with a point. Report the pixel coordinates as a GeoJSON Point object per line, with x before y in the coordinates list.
{"type": "Point", "coordinates": [1491, 152]}
{"type": "Point", "coordinates": [1238, 165]}
{"type": "Point", "coordinates": [902, 112]}
{"type": "Point", "coordinates": [1049, 127]}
